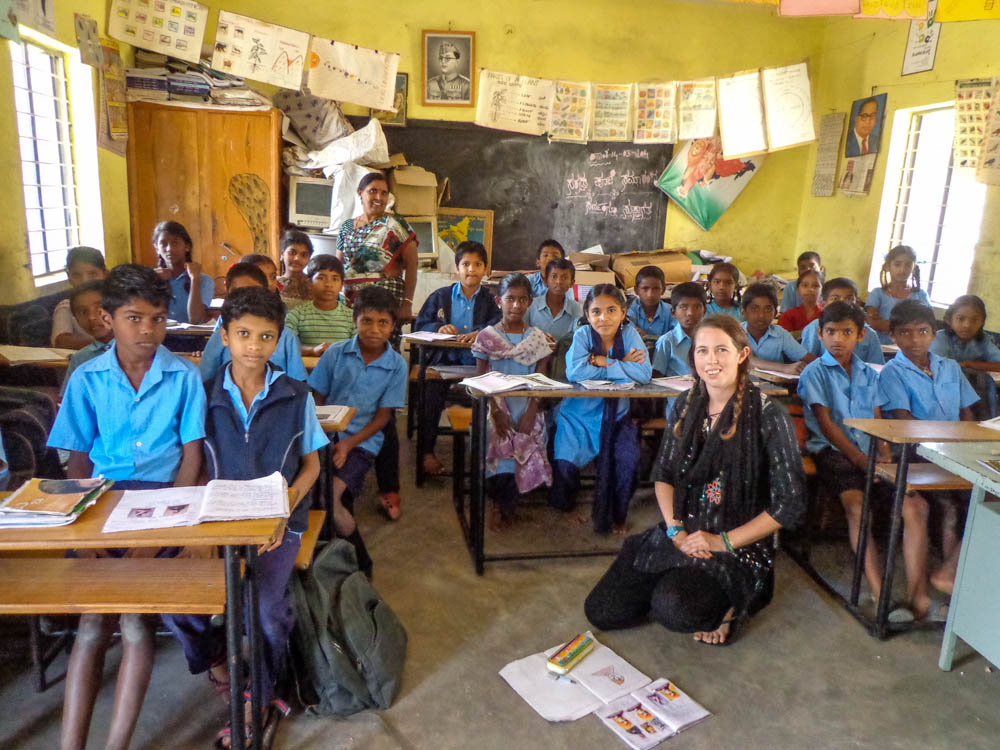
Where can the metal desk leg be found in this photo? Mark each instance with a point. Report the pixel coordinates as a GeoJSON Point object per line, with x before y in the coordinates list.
{"type": "Point", "coordinates": [882, 615]}
{"type": "Point", "coordinates": [421, 381]}
{"type": "Point", "coordinates": [948, 641]}
{"type": "Point", "coordinates": [477, 475]}
{"type": "Point", "coordinates": [864, 526]}
{"type": "Point", "coordinates": [253, 604]}
{"type": "Point", "coordinates": [234, 639]}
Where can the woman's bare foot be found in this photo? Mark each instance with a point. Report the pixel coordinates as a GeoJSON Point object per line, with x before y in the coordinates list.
{"type": "Point", "coordinates": [432, 467]}
{"type": "Point", "coordinates": [718, 636]}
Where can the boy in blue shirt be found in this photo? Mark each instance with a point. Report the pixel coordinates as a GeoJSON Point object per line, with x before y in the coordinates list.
{"type": "Point", "coordinates": [650, 314]}
{"type": "Point", "coordinates": [835, 387]}
{"type": "Point", "coordinates": [85, 304]}
{"type": "Point", "coordinates": [673, 347]}
{"type": "Point", "coordinates": [278, 431]}
{"type": "Point", "coordinates": [807, 261]}
{"type": "Point", "coordinates": [285, 353]}
{"type": "Point", "coordinates": [547, 252]}
{"type": "Point", "coordinates": [135, 414]}
{"type": "Point", "coordinates": [918, 384]}
{"type": "Point", "coordinates": [555, 311]}
{"type": "Point", "coordinates": [366, 373]}
{"type": "Point", "coordinates": [771, 346]}
{"type": "Point", "coordinates": [869, 349]}
{"type": "Point", "coordinates": [463, 309]}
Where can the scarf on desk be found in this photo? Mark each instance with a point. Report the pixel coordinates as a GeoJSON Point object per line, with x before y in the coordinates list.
{"type": "Point", "coordinates": [613, 492]}
{"type": "Point", "coordinates": [531, 465]}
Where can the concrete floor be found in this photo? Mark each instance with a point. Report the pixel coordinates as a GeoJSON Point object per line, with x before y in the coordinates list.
{"type": "Point", "coordinates": [804, 674]}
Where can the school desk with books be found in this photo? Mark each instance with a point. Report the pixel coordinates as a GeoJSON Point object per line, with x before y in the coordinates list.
{"type": "Point", "coordinates": [50, 502]}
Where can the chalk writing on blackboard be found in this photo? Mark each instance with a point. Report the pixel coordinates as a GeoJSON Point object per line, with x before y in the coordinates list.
{"type": "Point", "coordinates": [606, 188]}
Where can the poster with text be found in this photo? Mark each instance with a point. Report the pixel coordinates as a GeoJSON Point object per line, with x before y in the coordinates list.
{"type": "Point", "coordinates": [260, 51]}
{"type": "Point", "coordinates": [113, 76]}
{"type": "Point", "coordinates": [788, 106]}
{"type": "Point", "coordinates": [894, 10]}
{"type": "Point", "coordinates": [170, 27]}
{"type": "Point", "coordinates": [570, 112]}
{"type": "Point", "coordinates": [988, 167]}
{"type": "Point", "coordinates": [348, 73]}
{"type": "Point", "coordinates": [922, 43]}
{"type": "Point", "coordinates": [704, 184]}
{"type": "Point", "coordinates": [972, 110]}
{"type": "Point", "coordinates": [656, 112]}
{"type": "Point", "coordinates": [859, 172]}
{"type": "Point", "coordinates": [611, 118]}
{"type": "Point", "coordinates": [831, 130]}
{"type": "Point", "coordinates": [507, 101]}
{"type": "Point", "coordinates": [696, 109]}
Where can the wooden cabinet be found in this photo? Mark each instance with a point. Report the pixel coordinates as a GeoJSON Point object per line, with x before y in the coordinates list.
{"type": "Point", "coordinates": [216, 172]}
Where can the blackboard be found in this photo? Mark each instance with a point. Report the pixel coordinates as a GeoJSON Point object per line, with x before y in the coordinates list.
{"type": "Point", "coordinates": [581, 195]}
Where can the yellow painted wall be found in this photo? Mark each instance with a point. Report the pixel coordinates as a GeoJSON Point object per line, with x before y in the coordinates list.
{"type": "Point", "coordinates": [860, 58]}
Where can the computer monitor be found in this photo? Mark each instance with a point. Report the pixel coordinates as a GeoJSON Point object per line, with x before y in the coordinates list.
{"type": "Point", "coordinates": [309, 201]}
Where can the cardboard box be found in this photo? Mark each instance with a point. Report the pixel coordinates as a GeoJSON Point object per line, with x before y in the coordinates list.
{"type": "Point", "coordinates": [595, 261]}
{"type": "Point", "coordinates": [676, 266]}
{"type": "Point", "coordinates": [415, 190]}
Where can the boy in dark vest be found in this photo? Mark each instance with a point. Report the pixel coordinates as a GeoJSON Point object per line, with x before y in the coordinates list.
{"type": "Point", "coordinates": [259, 421]}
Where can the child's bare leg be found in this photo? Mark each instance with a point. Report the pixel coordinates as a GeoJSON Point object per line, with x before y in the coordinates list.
{"type": "Point", "coordinates": [342, 518]}
{"type": "Point", "coordinates": [133, 679]}
{"type": "Point", "coordinates": [943, 579]}
{"type": "Point", "coordinates": [83, 678]}
{"type": "Point", "coordinates": [915, 543]}
{"type": "Point", "coordinates": [852, 501]}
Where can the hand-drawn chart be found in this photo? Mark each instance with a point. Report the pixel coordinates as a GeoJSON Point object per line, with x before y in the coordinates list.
{"type": "Point", "coordinates": [348, 73]}
{"type": "Point", "coordinates": [261, 51]}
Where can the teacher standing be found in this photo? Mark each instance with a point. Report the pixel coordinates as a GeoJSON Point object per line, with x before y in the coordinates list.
{"type": "Point", "coordinates": [729, 474]}
{"type": "Point", "coordinates": [379, 248]}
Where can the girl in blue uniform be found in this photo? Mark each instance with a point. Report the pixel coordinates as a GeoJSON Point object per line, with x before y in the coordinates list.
{"type": "Point", "coordinates": [609, 348]}
{"type": "Point", "coordinates": [899, 280]}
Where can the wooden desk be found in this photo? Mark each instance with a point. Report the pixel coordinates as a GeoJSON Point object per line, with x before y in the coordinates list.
{"type": "Point", "coordinates": [341, 424]}
{"type": "Point", "coordinates": [203, 330]}
{"type": "Point", "coordinates": [50, 357]}
{"type": "Point", "coordinates": [975, 602]}
{"type": "Point", "coordinates": [195, 359]}
{"type": "Point", "coordinates": [239, 540]}
{"type": "Point", "coordinates": [906, 433]}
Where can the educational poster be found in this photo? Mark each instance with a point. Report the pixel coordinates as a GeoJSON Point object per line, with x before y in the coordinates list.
{"type": "Point", "coordinates": [38, 14]}
{"type": "Point", "coordinates": [656, 112]}
{"type": "Point", "coordinates": [788, 106]}
{"type": "Point", "coordinates": [612, 113]}
{"type": "Point", "coordinates": [249, 48]}
{"type": "Point", "coordinates": [104, 139]}
{"type": "Point", "coordinates": [967, 10]}
{"type": "Point", "coordinates": [819, 7]}
{"type": "Point", "coordinates": [922, 43]}
{"type": "Point", "coordinates": [741, 115]}
{"type": "Point", "coordinates": [113, 77]}
{"type": "Point", "coordinates": [397, 115]}
{"type": "Point", "coordinates": [703, 183]}
{"type": "Point", "coordinates": [170, 27]}
{"type": "Point", "coordinates": [8, 21]}
{"type": "Point", "coordinates": [865, 126]}
{"type": "Point", "coordinates": [972, 110]}
{"type": "Point", "coordinates": [696, 109]}
{"type": "Point", "coordinates": [507, 101]}
{"type": "Point", "coordinates": [348, 73]}
{"type": "Point", "coordinates": [831, 130]}
{"type": "Point", "coordinates": [895, 10]}
{"type": "Point", "coordinates": [570, 112]}
{"type": "Point", "coordinates": [988, 168]}
{"type": "Point", "coordinates": [88, 41]}
{"type": "Point", "coordinates": [635, 723]}
{"type": "Point", "coordinates": [858, 174]}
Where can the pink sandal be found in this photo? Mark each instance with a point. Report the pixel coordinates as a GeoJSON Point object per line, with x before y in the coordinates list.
{"type": "Point", "coordinates": [389, 501]}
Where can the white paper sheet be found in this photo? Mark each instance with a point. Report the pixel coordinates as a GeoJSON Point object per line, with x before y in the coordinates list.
{"type": "Point", "coordinates": [678, 383]}
{"type": "Point", "coordinates": [429, 336]}
{"type": "Point", "coordinates": [831, 130]}
{"type": "Point", "coordinates": [788, 106]}
{"type": "Point", "coordinates": [348, 73]}
{"type": "Point", "coordinates": [38, 14]}
{"type": "Point", "coordinates": [521, 104]}
{"type": "Point", "coordinates": [553, 699]}
{"type": "Point", "coordinates": [155, 509]}
{"type": "Point", "coordinates": [266, 497]}
{"type": "Point", "coordinates": [922, 43]}
{"type": "Point", "coordinates": [988, 164]}
{"type": "Point", "coordinates": [656, 112]}
{"type": "Point", "coordinates": [611, 119]}
{"type": "Point", "coordinates": [170, 27]}
{"type": "Point", "coordinates": [260, 51]}
{"type": "Point", "coordinates": [571, 105]}
{"type": "Point", "coordinates": [696, 109]}
{"type": "Point", "coordinates": [741, 115]}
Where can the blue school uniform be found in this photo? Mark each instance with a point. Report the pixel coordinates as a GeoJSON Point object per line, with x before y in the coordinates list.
{"type": "Point", "coordinates": [825, 382]}
{"type": "Point", "coordinates": [662, 321]}
{"type": "Point", "coordinates": [671, 354]}
{"type": "Point", "coordinates": [87, 353]}
{"type": "Point", "coordinates": [790, 297]}
{"type": "Point", "coordinates": [342, 376]}
{"type": "Point", "coordinates": [177, 309]}
{"type": "Point", "coordinates": [869, 349]}
{"type": "Point", "coordinates": [287, 355]}
{"type": "Point", "coordinates": [539, 288]}
{"type": "Point", "coordinates": [713, 308]}
{"type": "Point", "coordinates": [131, 434]}
{"type": "Point", "coordinates": [880, 299]}
{"type": "Point", "coordinates": [776, 345]}
{"type": "Point", "coordinates": [559, 327]}
{"type": "Point", "coordinates": [975, 350]}
{"type": "Point", "coordinates": [448, 305]}
{"type": "Point", "coordinates": [906, 386]}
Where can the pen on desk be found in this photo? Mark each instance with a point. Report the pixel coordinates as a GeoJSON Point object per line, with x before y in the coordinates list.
{"type": "Point", "coordinates": [555, 676]}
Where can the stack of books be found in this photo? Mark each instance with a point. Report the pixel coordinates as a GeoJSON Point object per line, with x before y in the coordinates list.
{"type": "Point", "coordinates": [50, 502]}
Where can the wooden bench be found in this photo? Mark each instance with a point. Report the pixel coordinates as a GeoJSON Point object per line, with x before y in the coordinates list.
{"type": "Point", "coordinates": [919, 477]}
{"type": "Point", "coordinates": [309, 538]}
{"type": "Point", "coordinates": [460, 424]}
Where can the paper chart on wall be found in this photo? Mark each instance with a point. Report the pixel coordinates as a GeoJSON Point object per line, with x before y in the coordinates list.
{"type": "Point", "coordinates": [260, 51]}
{"type": "Point", "coordinates": [8, 21]}
{"type": "Point", "coordinates": [170, 27]}
{"type": "Point", "coordinates": [895, 10]}
{"type": "Point", "coordinates": [819, 7]}
{"type": "Point", "coordinates": [859, 171]}
{"type": "Point", "coordinates": [788, 106]}
{"type": "Point", "coordinates": [988, 169]}
{"type": "Point", "coordinates": [831, 130]}
{"type": "Point", "coordinates": [972, 110]}
{"type": "Point", "coordinates": [571, 105]}
{"type": "Point", "coordinates": [696, 109]}
{"type": "Point", "coordinates": [348, 73]}
{"type": "Point", "coordinates": [113, 75]}
{"type": "Point", "coordinates": [88, 41]}
{"type": "Point", "coordinates": [656, 112]}
{"type": "Point", "coordinates": [507, 101]}
{"type": "Point", "coordinates": [968, 10]}
{"type": "Point", "coordinates": [741, 115]}
{"type": "Point", "coordinates": [38, 14]}
{"type": "Point", "coordinates": [612, 113]}
{"type": "Point", "coordinates": [922, 43]}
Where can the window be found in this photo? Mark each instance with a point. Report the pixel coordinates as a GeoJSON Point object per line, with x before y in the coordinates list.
{"type": "Point", "coordinates": [48, 171]}
{"type": "Point", "coordinates": [930, 205]}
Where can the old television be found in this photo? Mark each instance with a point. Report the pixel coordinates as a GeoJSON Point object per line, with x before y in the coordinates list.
{"type": "Point", "coordinates": [309, 201]}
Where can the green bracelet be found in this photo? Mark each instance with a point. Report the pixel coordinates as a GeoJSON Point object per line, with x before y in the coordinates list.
{"type": "Point", "coordinates": [725, 541]}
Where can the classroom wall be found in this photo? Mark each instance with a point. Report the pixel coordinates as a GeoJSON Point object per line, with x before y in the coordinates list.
{"type": "Point", "coordinates": [18, 285]}
{"type": "Point", "coordinates": [862, 58]}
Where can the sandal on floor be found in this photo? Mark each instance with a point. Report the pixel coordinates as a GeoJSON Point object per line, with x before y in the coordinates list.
{"type": "Point", "coordinates": [389, 502]}
{"type": "Point", "coordinates": [272, 715]}
{"type": "Point", "coordinates": [221, 687]}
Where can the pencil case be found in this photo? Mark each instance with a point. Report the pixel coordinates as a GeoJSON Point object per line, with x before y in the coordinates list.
{"type": "Point", "coordinates": [570, 655]}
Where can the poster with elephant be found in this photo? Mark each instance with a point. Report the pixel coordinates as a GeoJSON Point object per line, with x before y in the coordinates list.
{"type": "Point", "coordinates": [702, 182]}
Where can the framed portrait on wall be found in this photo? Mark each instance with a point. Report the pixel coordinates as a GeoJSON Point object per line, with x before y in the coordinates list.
{"type": "Point", "coordinates": [388, 117]}
{"type": "Point", "coordinates": [865, 127]}
{"type": "Point", "coordinates": [449, 64]}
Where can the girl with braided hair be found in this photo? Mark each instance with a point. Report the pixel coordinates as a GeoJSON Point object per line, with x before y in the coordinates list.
{"type": "Point", "coordinates": [899, 279]}
{"type": "Point", "coordinates": [729, 474]}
